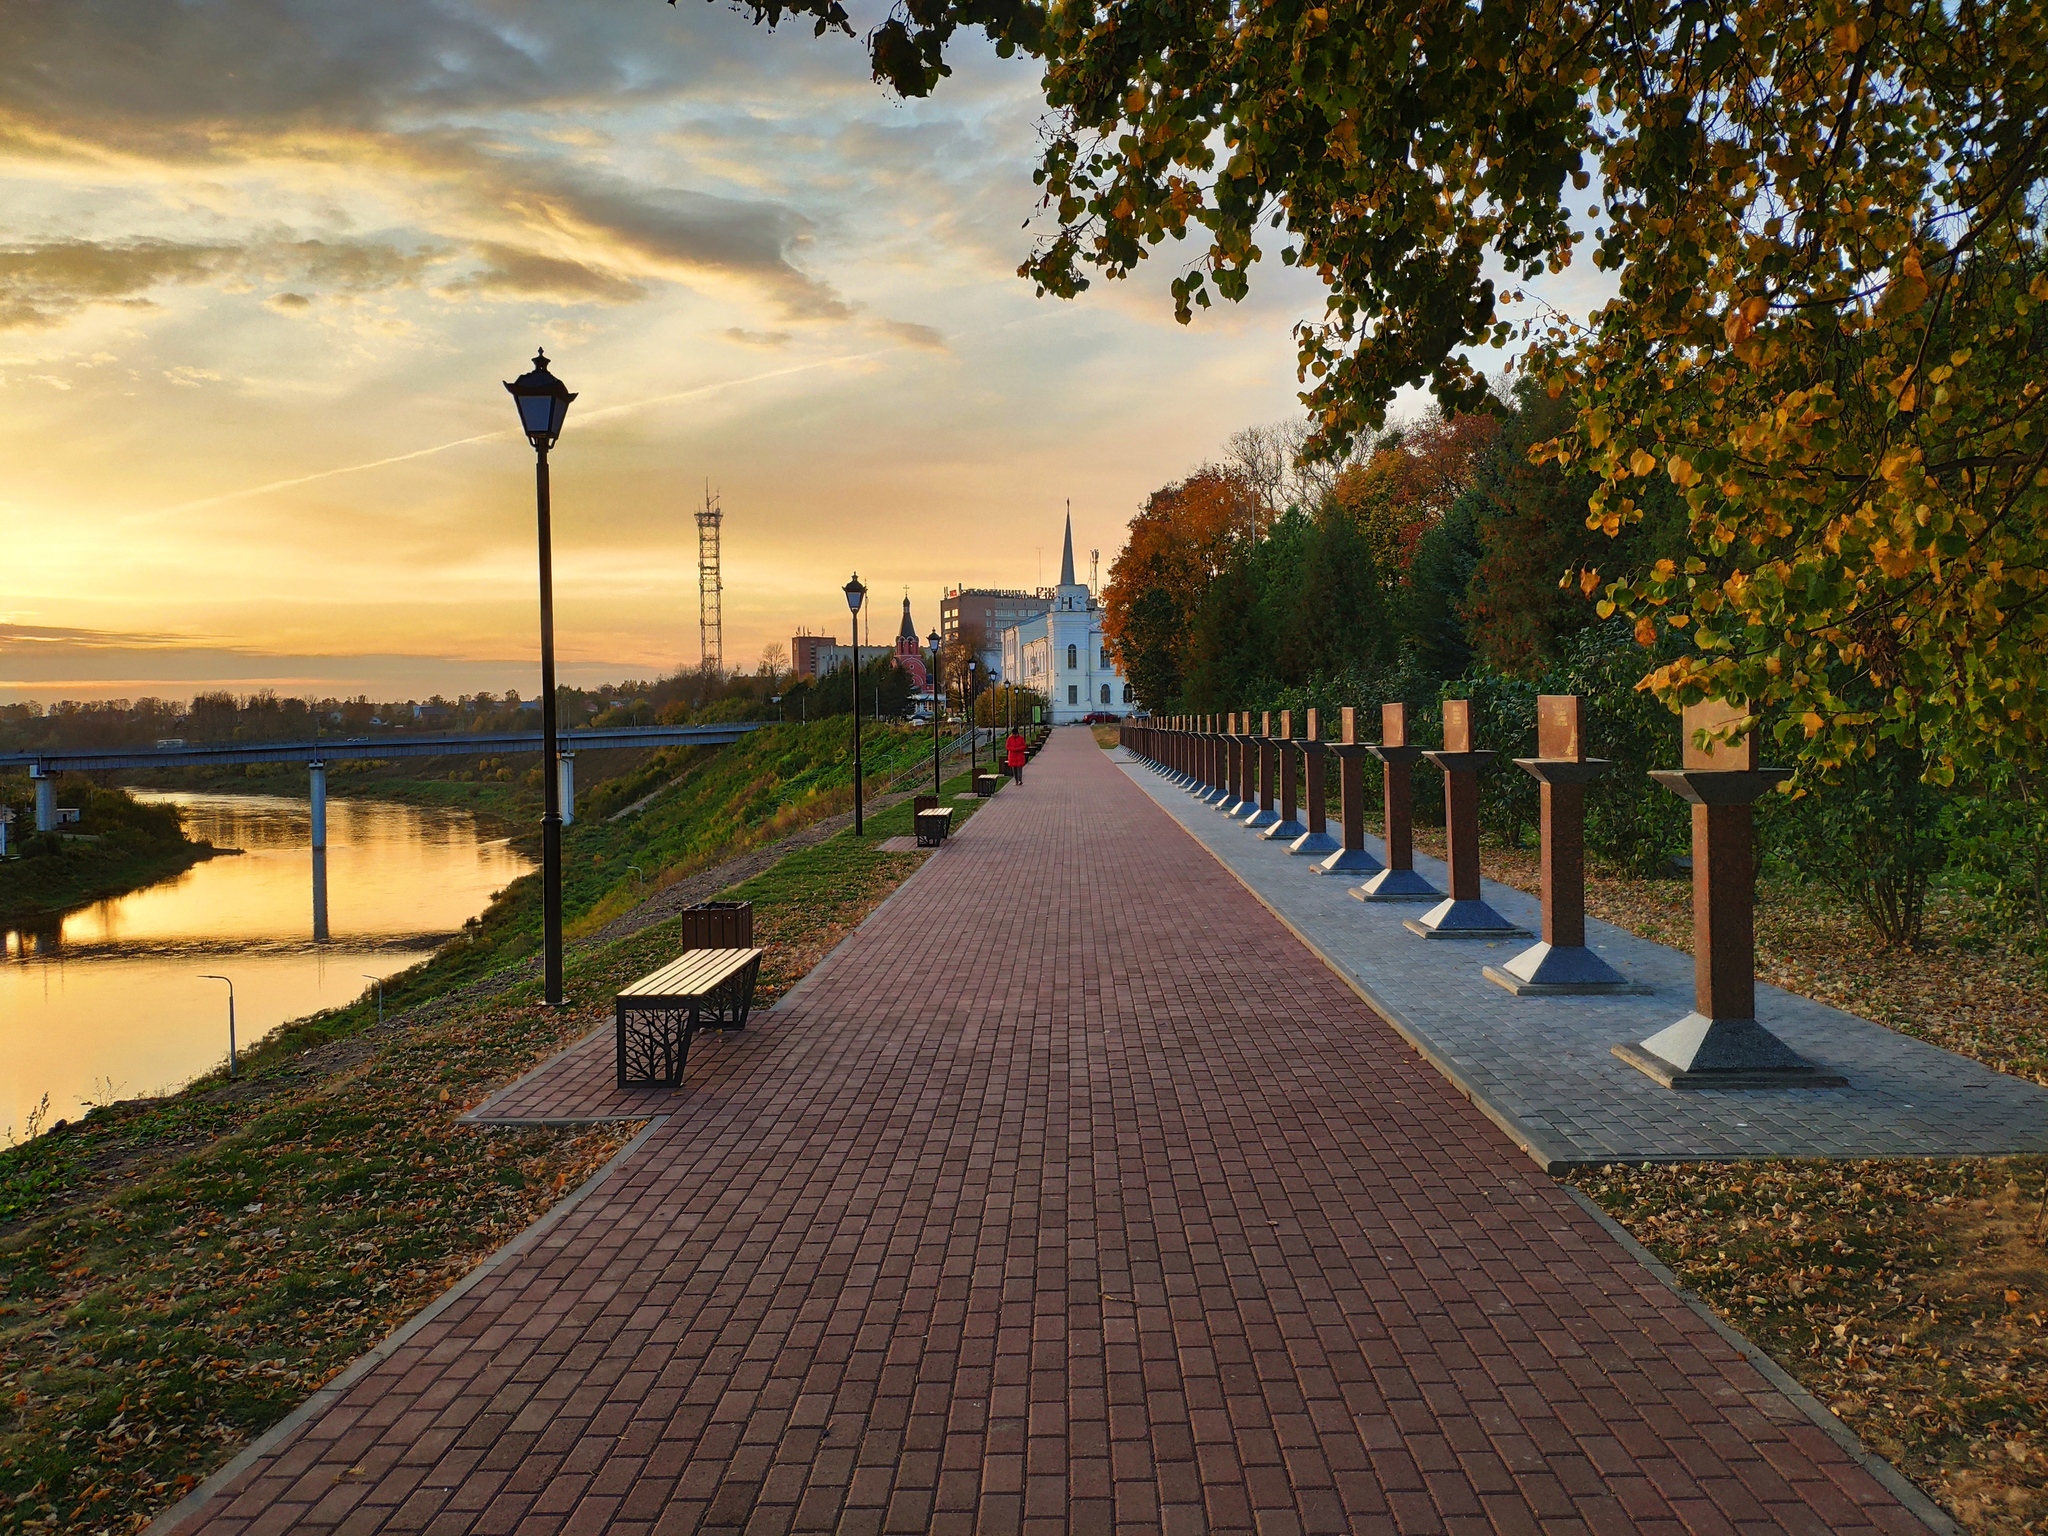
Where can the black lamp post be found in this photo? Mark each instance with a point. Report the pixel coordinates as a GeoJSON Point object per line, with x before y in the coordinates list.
{"type": "Point", "coordinates": [854, 593]}
{"type": "Point", "coordinates": [933, 638]}
{"type": "Point", "coordinates": [973, 725]}
{"type": "Point", "coordinates": [543, 402]}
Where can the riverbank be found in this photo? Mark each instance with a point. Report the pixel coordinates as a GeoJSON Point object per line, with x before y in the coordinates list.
{"type": "Point", "coordinates": [118, 845]}
{"type": "Point", "coordinates": [331, 1191]}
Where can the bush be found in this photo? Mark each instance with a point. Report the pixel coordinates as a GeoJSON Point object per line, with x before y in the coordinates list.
{"type": "Point", "coordinates": [1872, 832]}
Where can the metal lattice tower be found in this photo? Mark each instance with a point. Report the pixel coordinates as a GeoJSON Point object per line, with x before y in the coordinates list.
{"type": "Point", "coordinates": [710, 609]}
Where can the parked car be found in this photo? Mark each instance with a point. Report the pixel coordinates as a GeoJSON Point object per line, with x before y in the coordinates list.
{"type": "Point", "coordinates": [1100, 717]}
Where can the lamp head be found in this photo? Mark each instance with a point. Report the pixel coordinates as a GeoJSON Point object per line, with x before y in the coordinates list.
{"type": "Point", "coordinates": [543, 402]}
{"type": "Point", "coordinates": [855, 592]}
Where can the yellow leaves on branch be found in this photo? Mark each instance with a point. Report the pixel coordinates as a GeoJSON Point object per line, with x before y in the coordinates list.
{"type": "Point", "coordinates": [1742, 319]}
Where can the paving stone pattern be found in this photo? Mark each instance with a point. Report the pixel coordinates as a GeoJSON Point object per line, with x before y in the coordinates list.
{"type": "Point", "coordinates": [1070, 1194]}
{"type": "Point", "coordinates": [1542, 1066]}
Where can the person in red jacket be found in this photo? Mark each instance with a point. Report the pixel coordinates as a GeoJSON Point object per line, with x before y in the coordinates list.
{"type": "Point", "coordinates": [1016, 751]}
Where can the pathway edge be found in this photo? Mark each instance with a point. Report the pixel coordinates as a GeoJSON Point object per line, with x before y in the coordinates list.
{"type": "Point", "coordinates": [1895, 1482]}
{"type": "Point", "coordinates": [211, 1488]}
{"type": "Point", "coordinates": [1548, 1160]}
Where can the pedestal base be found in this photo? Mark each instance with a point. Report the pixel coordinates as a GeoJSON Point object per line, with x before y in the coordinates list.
{"type": "Point", "coordinates": [1260, 819]}
{"type": "Point", "coordinates": [1347, 861]}
{"type": "Point", "coordinates": [1397, 885]}
{"type": "Point", "coordinates": [1315, 842]}
{"type": "Point", "coordinates": [1284, 831]}
{"type": "Point", "coordinates": [1549, 970]}
{"type": "Point", "coordinates": [1231, 808]}
{"type": "Point", "coordinates": [1454, 919]}
{"type": "Point", "coordinates": [1699, 1052]}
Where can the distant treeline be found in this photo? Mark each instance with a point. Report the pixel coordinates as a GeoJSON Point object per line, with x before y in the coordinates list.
{"type": "Point", "coordinates": [77, 725]}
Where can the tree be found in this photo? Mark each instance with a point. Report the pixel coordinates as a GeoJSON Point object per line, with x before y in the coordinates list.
{"type": "Point", "coordinates": [1823, 222]}
{"type": "Point", "coordinates": [1410, 481]}
{"type": "Point", "coordinates": [1525, 599]}
{"type": "Point", "coordinates": [1180, 541]}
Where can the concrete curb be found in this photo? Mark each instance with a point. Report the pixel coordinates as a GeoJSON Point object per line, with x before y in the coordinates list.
{"type": "Point", "coordinates": [1895, 1482]}
{"type": "Point", "coordinates": [196, 1501]}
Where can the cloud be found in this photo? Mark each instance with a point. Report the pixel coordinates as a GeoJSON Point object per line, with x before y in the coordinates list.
{"type": "Point", "coordinates": [674, 232]}
{"type": "Point", "coordinates": [397, 90]}
{"type": "Point", "coordinates": [45, 285]}
{"type": "Point", "coordinates": [767, 341]}
{"type": "Point", "coordinates": [509, 272]}
{"type": "Point", "coordinates": [911, 334]}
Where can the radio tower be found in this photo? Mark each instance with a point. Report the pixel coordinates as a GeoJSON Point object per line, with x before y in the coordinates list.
{"type": "Point", "coordinates": [710, 612]}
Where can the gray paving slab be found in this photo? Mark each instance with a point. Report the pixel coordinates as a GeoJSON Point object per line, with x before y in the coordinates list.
{"type": "Point", "coordinates": [1541, 1067]}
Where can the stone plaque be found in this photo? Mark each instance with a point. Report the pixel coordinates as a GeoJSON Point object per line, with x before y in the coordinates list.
{"type": "Point", "coordinates": [1718, 756]}
{"type": "Point", "coordinates": [1457, 725]}
{"type": "Point", "coordinates": [1560, 727]}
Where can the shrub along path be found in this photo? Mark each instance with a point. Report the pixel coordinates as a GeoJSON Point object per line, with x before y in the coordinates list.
{"type": "Point", "coordinates": [1070, 1193]}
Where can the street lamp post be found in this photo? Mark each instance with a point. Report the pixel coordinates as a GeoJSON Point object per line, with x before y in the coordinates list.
{"type": "Point", "coordinates": [973, 725]}
{"type": "Point", "coordinates": [854, 593]}
{"type": "Point", "coordinates": [378, 983]}
{"type": "Point", "coordinates": [231, 1020]}
{"type": "Point", "coordinates": [543, 402]}
{"type": "Point", "coordinates": [933, 637]}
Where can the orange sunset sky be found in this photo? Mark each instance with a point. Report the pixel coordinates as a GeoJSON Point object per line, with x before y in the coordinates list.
{"type": "Point", "coordinates": [263, 266]}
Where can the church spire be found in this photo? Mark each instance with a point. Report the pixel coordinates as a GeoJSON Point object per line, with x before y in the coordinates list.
{"type": "Point", "coordinates": [1067, 558]}
{"type": "Point", "coordinates": [907, 630]}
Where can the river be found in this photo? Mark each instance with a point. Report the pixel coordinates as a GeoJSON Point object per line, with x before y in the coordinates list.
{"type": "Point", "coordinates": [114, 1004]}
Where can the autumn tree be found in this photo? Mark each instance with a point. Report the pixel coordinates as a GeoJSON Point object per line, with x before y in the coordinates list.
{"type": "Point", "coordinates": [1822, 220]}
{"type": "Point", "coordinates": [1180, 542]}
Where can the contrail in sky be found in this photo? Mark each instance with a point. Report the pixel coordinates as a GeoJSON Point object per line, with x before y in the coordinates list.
{"type": "Point", "coordinates": [486, 437]}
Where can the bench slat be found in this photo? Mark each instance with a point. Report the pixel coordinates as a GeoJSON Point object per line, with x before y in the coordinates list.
{"type": "Point", "coordinates": [692, 974]}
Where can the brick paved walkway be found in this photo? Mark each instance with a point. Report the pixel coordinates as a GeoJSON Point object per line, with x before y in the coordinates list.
{"type": "Point", "coordinates": [1070, 1194]}
{"type": "Point", "coordinates": [1542, 1065]}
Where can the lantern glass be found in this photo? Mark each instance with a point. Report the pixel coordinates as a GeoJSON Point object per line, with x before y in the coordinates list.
{"type": "Point", "coordinates": [854, 593]}
{"type": "Point", "coordinates": [543, 402]}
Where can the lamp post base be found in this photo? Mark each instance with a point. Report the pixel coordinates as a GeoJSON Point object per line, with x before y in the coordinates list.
{"type": "Point", "coordinates": [1699, 1052]}
{"type": "Point", "coordinates": [1455, 919]}
{"type": "Point", "coordinates": [1561, 970]}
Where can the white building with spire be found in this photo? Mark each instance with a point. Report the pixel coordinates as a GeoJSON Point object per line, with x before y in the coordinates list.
{"type": "Point", "coordinates": [1061, 653]}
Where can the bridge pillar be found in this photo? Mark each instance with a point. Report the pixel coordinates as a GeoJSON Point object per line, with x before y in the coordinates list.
{"type": "Point", "coordinates": [566, 763]}
{"type": "Point", "coordinates": [46, 796]}
{"type": "Point", "coordinates": [316, 773]}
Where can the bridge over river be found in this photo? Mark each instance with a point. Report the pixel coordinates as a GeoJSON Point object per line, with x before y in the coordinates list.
{"type": "Point", "coordinates": [45, 767]}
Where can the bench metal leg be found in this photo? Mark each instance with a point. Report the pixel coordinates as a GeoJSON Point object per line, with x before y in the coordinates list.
{"type": "Point", "coordinates": [653, 1045]}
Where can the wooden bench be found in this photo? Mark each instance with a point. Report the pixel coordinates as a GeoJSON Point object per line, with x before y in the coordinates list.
{"type": "Point", "coordinates": [657, 1015]}
{"type": "Point", "coordinates": [933, 820]}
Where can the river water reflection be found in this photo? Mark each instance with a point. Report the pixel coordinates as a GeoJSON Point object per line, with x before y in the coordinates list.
{"type": "Point", "coordinates": [111, 1003]}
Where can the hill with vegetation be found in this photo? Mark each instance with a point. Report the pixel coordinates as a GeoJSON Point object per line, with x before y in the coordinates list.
{"type": "Point", "coordinates": [118, 844]}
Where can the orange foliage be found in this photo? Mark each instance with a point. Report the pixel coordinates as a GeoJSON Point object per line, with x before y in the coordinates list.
{"type": "Point", "coordinates": [1407, 485]}
{"type": "Point", "coordinates": [1178, 543]}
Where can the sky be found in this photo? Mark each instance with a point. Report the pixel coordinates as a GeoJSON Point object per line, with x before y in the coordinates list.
{"type": "Point", "coordinates": [265, 263]}
{"type": "Point", "coordinates": [263, 267]}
